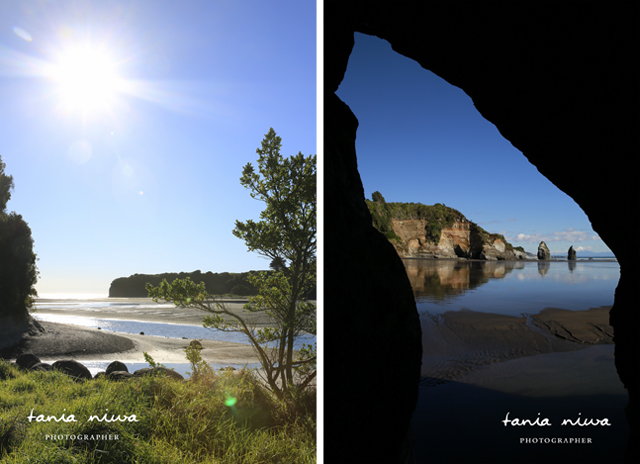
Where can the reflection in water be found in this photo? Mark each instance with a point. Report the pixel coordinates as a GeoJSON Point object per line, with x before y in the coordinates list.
{"type": "Point", "coordinates": [441, 279]}
{"type": "Point", "coordinates": [543, 267]}
{"type": "Point", "coordinates": [511, 287]}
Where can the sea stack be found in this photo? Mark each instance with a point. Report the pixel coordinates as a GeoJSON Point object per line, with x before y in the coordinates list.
{"type": "Point", "coordinates": [572, 255]}
{"type": "Point", "coordinates": [543, 251]}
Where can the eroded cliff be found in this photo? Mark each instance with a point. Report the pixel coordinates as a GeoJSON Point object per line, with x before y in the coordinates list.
{"type": "Point", "coordinates": [437, 231]}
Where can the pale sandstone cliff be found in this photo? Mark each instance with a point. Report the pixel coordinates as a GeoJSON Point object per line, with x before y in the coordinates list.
{"type": "Point", "coordinates": [463, 239]}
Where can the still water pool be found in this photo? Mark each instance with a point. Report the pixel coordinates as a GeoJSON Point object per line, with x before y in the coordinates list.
{"type": "Point", "coordinates": [511, 287]}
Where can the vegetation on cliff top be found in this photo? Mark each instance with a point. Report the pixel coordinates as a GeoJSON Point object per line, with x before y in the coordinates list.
{"type": "Point", "coordinates": [437, 216]}
{"type": "Point", "coordinates": [223, 283]}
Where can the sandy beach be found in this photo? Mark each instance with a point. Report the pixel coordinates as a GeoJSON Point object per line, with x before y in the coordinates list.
{"type": "Point", "coordinates": [81, 343]}
{"type": "Point", "coordinates": [558, 364]}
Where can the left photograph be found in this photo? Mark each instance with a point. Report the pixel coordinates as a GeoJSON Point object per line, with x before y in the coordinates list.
{"type": "Point", "coordinates": [158, 232]}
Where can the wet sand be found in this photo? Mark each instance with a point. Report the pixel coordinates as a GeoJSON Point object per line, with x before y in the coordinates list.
{"type": "Point", "coordinates": [143, 310]}
{"type": "Point", "coordinates": [461, 421]}
{"type": "Point", "coordinates": [458, 342]}
{"type": "Point", "coordinates": [81, 343]}
{"type": "Point", "coordinates": [478, 367]}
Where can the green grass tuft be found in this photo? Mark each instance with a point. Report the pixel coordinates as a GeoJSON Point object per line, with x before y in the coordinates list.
{"type": "Point", "coordinates": [177, 421]}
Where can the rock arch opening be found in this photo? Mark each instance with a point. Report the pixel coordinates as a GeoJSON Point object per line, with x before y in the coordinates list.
{"type": "Point", "coordinates": [541, 89]}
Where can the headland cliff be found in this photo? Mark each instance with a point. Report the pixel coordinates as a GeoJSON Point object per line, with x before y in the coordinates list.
{"type": "Point", "coordinates": [437, 231]}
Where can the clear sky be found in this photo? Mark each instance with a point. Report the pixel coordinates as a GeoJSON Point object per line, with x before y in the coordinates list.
{"type": "Point", "coordinates": [421, 140]}
{"type": "Point", "coordinates": [126, 125]}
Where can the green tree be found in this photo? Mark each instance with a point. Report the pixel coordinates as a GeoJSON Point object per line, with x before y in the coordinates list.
{"type": "Point", "coordinates": [18, 271]}
{"type": "Point", "coordinates": [286, 234]}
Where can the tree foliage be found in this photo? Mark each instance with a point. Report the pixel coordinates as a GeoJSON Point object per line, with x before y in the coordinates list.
{"type": "Point", "coordinates": [286, 234]}
{"type": "Point", "coordinates": [18, 271]}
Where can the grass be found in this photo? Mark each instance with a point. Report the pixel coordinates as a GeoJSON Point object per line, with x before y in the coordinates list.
{"type": "Point", "coordinates": [220, 416]}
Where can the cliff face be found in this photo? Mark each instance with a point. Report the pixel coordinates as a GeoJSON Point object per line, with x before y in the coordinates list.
{"type": "Point", "coordinates": [436, 231]}
{"type": "Point", "coordinates": [463, 239]}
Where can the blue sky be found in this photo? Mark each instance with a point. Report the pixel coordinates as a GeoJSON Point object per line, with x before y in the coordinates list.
{"type": "Point", "coordinates": [421, 140]}
{"type": "Point", "coordinates": [135, 167]}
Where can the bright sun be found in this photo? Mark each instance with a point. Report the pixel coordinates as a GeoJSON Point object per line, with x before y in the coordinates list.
{"type": "Point", "coordinates": [87, 80]}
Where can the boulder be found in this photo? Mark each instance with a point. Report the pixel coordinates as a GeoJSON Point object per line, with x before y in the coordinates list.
{"type": "Point", "coordinates": [27, 360]}
{"type": "Point", "coordinates": [196, 344]}
{"type": "Point", "coordinates": [159, 370]}
{"type": "Point", "coordinates": [73, 369]}
{"type": "Point", "coordinates": [143, 371]}
{"type": "Point", "coordinates": [543, 251]}
{"type": "Point", "coordinates": [119, 375]}
{"type": "Point", "coordinates": [116, 366]}
{"type": "Point", "coordinates": [41, 367]}
{"type": "Point", "coordinates": [572, 255]}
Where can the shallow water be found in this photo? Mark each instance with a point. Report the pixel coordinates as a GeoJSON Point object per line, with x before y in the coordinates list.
{"type": "Point", "coordinates": [511, 287]}
{"type": "Point", "coordinates": [136, 327]}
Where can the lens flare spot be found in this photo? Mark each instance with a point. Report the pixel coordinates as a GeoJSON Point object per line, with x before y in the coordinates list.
{"type": "Point", "coordinates": [230, 401]}
{"type": "Point", "coordinates": [22, 33]}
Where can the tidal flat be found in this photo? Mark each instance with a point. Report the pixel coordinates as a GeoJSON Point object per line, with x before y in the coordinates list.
{"type": "Point", "coordinates": [526, 338]}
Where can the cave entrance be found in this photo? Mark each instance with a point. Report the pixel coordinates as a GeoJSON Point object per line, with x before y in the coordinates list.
{"type": "Point", "coordinates": [420, 140]}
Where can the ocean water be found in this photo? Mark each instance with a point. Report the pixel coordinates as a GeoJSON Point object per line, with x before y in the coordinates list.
{"type": "Point", "coordinates": [511, 287]}
{"type": "Point", "coordinates": [127, 305]}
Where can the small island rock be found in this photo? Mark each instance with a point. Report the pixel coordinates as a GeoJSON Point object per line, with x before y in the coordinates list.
{"type": "Point", "coordinates": [543, 251]}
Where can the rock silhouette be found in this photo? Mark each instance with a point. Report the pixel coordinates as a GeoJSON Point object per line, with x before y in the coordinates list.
{"type": "Point", "coordinates": [495, 53]}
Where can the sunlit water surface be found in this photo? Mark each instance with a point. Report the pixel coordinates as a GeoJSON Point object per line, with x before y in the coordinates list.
{"type": "Point", "coordinates": [511, 287]}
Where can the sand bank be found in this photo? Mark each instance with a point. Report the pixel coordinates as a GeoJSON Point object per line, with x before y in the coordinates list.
{"type": "Point", "coordinates": [557, 364]}
{"type": "Point", "coordinates": [140, 309]}
{"type": "Point", "coordinates": [458, 342]}
{"type": "Point", "coordinates": [60, 341]}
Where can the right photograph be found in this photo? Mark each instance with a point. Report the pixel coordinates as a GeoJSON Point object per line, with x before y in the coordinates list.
{"type": "Point", "coordinates": [479, 174]}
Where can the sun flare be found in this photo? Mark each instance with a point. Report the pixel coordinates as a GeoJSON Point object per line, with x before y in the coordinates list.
{"type": "Point", "coordinates": [86, 80]}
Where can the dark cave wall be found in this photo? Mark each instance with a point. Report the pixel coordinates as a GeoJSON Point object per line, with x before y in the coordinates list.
{"type": "Point", "coordinates": [561, 83]}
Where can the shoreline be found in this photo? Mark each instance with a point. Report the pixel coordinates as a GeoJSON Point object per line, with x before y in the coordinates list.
{"type": "Point", "coordinates": [82, 343]}
{"type": "Point", "coordinates": [562, 260]}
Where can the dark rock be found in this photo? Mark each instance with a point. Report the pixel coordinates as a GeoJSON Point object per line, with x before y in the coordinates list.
{"type": "Point", "coordinates": [375, 269]}
{"type": "Point", "coordinates": [168, 372]}
{"type": "Point", "coordinates": [116, 366]}
{"type": "Point", "coordinates": [543, 251]}
{"type": "Point", "coordinates": [196, 344]}
{"type": "Point", "coordinates": [41, 367]}
{"type": "Point", "coordinates": [141, 333]}
{"type": "Point", "coordinates": [119, 375]}
{"type": "Point", "coordinates": [143, 371]}
{"type": "Point", "coordinates": [571, 254]}
{"type": "Point", "coordinates": [73, 369]}
{"type": "Point", "coordinates": [27, 360]}
{"type": "Point", "coordinates": [159, 370]}
{"type": "Point", "coordinates": [100, 374]}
